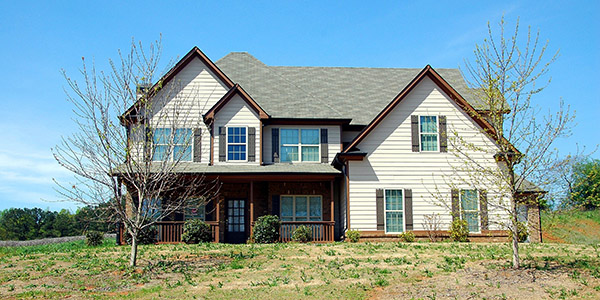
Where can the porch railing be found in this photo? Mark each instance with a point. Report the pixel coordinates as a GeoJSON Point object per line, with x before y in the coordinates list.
{"type": "Point", "coordinates": [322, 231]}
{"type": "Point", "coordinates": [169, 232]}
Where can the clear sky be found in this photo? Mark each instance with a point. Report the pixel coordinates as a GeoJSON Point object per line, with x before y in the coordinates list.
{"type": "Point", "coordinates": [41, 38]}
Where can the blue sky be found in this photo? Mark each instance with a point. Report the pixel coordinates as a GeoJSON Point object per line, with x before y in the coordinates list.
{"type": "Point", "coordinates": [41, 38]}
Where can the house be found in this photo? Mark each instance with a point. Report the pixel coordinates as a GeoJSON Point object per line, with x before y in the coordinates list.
{"type": "Point", "coordinates": [333, 148]}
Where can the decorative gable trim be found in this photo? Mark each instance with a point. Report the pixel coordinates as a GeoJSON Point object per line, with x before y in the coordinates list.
{"type": "Point", "coordinates": [441, 83]}
{"type": "Point", "coordinates": [189, 57]}
{"type": "Point", "coordinates": [235, 90]}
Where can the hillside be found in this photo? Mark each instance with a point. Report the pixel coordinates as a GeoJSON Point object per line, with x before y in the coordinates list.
{"type": "Point", "coordinates": [572, 226]}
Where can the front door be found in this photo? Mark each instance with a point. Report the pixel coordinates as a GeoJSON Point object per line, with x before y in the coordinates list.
{"type": "Point", "coordinates": [236, 221]}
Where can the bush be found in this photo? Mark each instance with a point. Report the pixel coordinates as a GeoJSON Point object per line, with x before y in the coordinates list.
{"type": "Point", "coordinates": [459, 231]}
{"type": "Point", "coordinates": [196, 231]}
{"type": "Point", "coordinates": [302, 234]}
{"type": "Point", "coordinates": [266, 229]}
{"type": "Point", "coordinates": [352, 236]}
{"type": "Point", "coordinates": [522, 233]}
{"type": "Point", "coordinates": [408, 237]}
{"type": "Point", "coordinates": [146, 236]}
{"type": "Point", "coordinates": [94, 238]}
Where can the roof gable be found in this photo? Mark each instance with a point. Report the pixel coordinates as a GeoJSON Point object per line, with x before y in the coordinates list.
{"type": "Point", "coordinates": [235, 90]}
{"type": "Point", "coordinates": [429, 72]}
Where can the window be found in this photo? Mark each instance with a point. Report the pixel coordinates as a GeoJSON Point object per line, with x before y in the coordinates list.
{"type": "Point", "coordinates": [152, 208]}
{"type": "Point", "coordinates": [428, 130]}
{"type": "Point", "coordinates": [236, 143]}
{"type": "Point", "coordinates": [394, 211]}
{"type": "Point", "coordinates": [169, 145]}
{"type": "Point", "coordinates": [469, 206]}
{"type": "Point", "coordinates": [298, 145]}
{"type": "Point", "coordinates": [301, 208]}
{"type": "Point", "coordinates": [195, 213]}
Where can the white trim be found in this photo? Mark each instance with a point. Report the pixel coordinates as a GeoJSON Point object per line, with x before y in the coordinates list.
{"type": "Point", "coordinates": [403, 210]}
{"type": "Point", "coordinates": [437, 126]}
{"type": "Point", "coordinates": [299, 145]}
{"type": "Point", "coordinates": [307, 207]}
{"type": "Point", "coordinates": [461, 210]}
{"type": "Point", "coordinates": [234, 144]}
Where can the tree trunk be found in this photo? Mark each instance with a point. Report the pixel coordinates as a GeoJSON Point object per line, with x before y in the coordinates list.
{"type": "Point", "coordinates": [515, 234]}
{"type": "Point", "coordinates": [133, 258]}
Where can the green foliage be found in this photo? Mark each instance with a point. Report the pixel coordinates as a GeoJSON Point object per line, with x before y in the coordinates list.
{"type": "Point", "coordinates": [585, 188]}
{"type": "Point", "coordinates": [408, 237]}
{"type": "Point", "coordinates": [146, 236]}
{"type": "Point", "coordinates": [302, 234]}
{"type": "Point", "coordinates": [565, 226]}
{"type": "Point", "coordinates": [459, 231]}
{"type": "Point", "coordinates": [353, 236]}
{"type": "Point", "coordinates": [196, 231]}
{"type": "Point", "coordinates": [266, 229]}
{"type": "Point", "coordinates": [94, 238]}
{"type": "Point", "coordinates": [522, 232]}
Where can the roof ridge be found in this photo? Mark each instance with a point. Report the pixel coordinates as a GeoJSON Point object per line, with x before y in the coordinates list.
{"type": "Point", "coordinates": [365, 68]}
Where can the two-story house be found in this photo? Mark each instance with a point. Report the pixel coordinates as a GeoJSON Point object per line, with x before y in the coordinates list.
{"type": "Point", "coordinates": [335, 148]}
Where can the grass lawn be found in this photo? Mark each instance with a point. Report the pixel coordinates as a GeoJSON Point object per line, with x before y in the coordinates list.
{"type": "Point", "coordinates": [571, 226]}
{"type": "Point", "coordinates": [301, 271]}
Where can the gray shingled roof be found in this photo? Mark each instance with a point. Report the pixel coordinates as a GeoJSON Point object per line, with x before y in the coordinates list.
{"type": "Point", "coordinates": [189, 167]}
{"type": "Point", "coordinates": [325, 92]}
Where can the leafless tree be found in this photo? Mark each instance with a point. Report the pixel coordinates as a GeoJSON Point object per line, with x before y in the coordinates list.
{"type": "Point", "coordinates": [433, 225]}
{"type": "Point", "coordinates": [133, 143]}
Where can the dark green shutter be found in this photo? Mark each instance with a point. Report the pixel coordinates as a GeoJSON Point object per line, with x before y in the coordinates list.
{"type": "Point", "coordinates": [222, 144]}
{"type": "Point", "coordinates": [443, 134]}
{"type": "Point", "coordinates": [251, 144]}
{"type": "Point", "coordinates": [483, 207]}
{"type": "Point", "coordinates": [380, 213]}
{"type": "Point", "coordinates": [455, 205]}
{"type": "Point", "coordinates": [275, 205]}
{"type": "Point", "coordinates": [408, 209]}
{"type": "Point", "coordinates": [197, 144]}
{"type": "Point", "coordinates": [414, 129]}
{"type": "Point", "coordinates": [324, 147]}
{"type": "Point", "coordinates": [275, 144]}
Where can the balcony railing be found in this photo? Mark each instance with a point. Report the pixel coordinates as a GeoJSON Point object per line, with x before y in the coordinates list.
{"type": "Point", "coordinates": [322, 231]}
{"type": "Point", "coordinates": [169, 232]}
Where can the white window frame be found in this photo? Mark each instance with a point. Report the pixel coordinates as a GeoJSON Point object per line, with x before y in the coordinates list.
{"type": "Point", "coordinates": [478, 211]}
{"type": "Point", "coordinates": [235, 144]}
{"type": "Point", "coordinates": [299, 145]}
{"type": "Point", "coordinates": [437, 126]}
{"type": "Point", "coordinates": [385, 210]}
{"type": "Point", "coordinates": [307, 207]}
{"type": "Point", "coordinates": [171, 143]}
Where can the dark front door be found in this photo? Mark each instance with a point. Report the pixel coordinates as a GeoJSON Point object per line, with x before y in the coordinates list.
{"type": "Point", "coordinates": [236, 221]}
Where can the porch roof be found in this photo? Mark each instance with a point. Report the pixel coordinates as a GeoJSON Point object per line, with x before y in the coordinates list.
{"type": "Point", "coordinates": [280, 168]}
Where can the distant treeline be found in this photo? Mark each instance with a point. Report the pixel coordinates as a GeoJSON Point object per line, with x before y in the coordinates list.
{"type": "Point", "coordinates": [36, 223]}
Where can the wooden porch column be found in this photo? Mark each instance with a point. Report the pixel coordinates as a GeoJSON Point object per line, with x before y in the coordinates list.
{"type": "Point", "coordinates": [331, 228]}
{"type": "Point", "coordinates": [218, 213]}
{"type": "Point", "coordinates": [251, 206]}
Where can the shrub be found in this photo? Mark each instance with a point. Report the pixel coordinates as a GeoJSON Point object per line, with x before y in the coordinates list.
{"type": "Point", "coordinates": [196, 231]}
{"type": "Point", "coordinates": [94, 238]}
{"type": "Point", "coordinates": [266, 229]}
{"type": "Point", "coordinates": [459, 231]}
{"type": "Point", "coordinates": [522, 233]}
{"type": "Point", "coordinates": [352, 236]}
{"type": "Point", "coordinates": [302, 234]}
{"type": "Point", "coordinates": [146, 236]}
{"type": "Point", "coordinates": [408, 237]}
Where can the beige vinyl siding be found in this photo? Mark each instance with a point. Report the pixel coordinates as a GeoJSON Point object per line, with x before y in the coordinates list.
{"type": "Point", "coordinates": [192, 92]}
{"type": "Point", "coordinates": [333, 140]}
{"type": "Point", "coordinates": [236, 113]}
{"type": "Point", "coordinates": [391, 164]}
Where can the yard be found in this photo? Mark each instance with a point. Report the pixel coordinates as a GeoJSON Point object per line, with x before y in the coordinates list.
{"type": "Point", "coordinates": [387, 270]}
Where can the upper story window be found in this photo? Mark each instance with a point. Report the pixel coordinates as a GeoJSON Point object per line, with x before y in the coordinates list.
{"type": "Point", "coordinates": [236, 143]}
{"type": "Point", "coordinates": [299, 145]}
{"type": "Point", "coordinates": [469, 207]}
{"type": "Point", "coordinates": [428, 131]}
{"type": "Point", "coordinates": [172, 145]}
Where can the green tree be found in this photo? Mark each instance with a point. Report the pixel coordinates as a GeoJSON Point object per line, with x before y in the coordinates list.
{"type": "Point", "coordinates": [585, 184]}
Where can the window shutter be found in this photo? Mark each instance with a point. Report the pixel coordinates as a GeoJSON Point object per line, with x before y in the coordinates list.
{"type": "Point", "coordinates": [251, 144]}
{"type": "Point", "coordinates": [275, 144]}
{"type": "Point", "coordinates": [148, 144]}
{"type": "Point", "coordinates": [380, 214]}
{"type": "Point", "coordinates": [197, 144]}
{"type": "Point", "coordinates": [222, 144]}
{"type": "Point", "coordinates": [324, 148]}
{"type": "Point", "coordinates": [408, 210]}
{"type": "Point", "coordinates": [483, 207]}
{"type": "Point", "coordinates": [275, 205]}
{"type": "Point", "coordinates": [209, 214]}
{"type": "Point", "coordinates": [455, 205]}
{"type": "Point", "coordinates": [443, 134]}
{"type": "Point", "coordinates": [414, 129]}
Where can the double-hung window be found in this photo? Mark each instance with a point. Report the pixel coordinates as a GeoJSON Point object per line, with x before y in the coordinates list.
{"type": "Point", "coordinates": [428, 131]}
{"type": "Point", "coordinates": [195, 213]}
{"type": "Point", "coordinates": [301, 208]}
{"type": "Point", "coordinates": [174, 145]}
{"type": "Point", "coordinates": [236, 143]}
{"type": "Point", "coordinates": [299, 145]}
{"type": "Point", "coordinates": [394, 211]}
{"type": "Point", "coordinates": [469, 207]}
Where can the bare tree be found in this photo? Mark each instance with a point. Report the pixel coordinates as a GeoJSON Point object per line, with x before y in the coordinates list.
{"type": "Point", "coordinates": [133, 143]}
{"type": "Point", "coordinates": [505, 75]}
